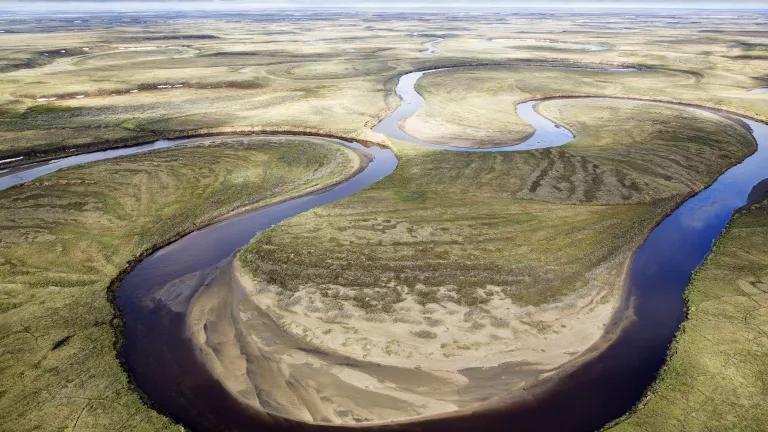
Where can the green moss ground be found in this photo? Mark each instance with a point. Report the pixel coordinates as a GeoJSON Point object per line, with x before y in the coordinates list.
{"type": "Point", "coordinates": [716, 378]}
{"type": "Point", "coordinates": [542, 218]}
{"type": "Point", "coordinates": [64, 237]}
{"type": "Point", "coordinates": [533, 223]}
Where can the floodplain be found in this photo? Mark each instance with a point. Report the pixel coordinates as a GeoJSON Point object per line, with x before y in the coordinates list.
{"type": "Point", "coordinates": [459, 283]}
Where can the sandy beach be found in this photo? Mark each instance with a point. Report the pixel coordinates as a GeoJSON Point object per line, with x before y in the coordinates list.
{"type": "Point", "coordinates": [299, 357]}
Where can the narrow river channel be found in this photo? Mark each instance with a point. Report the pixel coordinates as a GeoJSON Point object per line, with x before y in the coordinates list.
{"type": "Point", "coordinates": [154, 295]}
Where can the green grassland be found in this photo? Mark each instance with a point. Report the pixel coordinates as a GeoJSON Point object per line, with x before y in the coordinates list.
{"type": "Point", "coordinates": [534, 223]}
{"type": "Point", "coordinates": [64, 237]}
{"type": "Point", "coordinates": [474, 122]}
{"type": "Point", "coordinates": [538, 224]}
{"type": "Point", "coordinates": [716, 377]}
{"type": "Point", "coordinates": [316, 74]}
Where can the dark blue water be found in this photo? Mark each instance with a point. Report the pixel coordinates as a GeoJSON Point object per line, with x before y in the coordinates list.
{"type": "Point", "coordinates": [154, 296]}
{"type": "Point", "coordinates": [608, 385]}
{"type": "Point", "coordinates": [152, 299]}
{"type": "Point", "coordinates": [594, 393]}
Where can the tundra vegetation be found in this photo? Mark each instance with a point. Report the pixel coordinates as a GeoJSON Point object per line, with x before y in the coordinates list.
{"type": "Point", "coordinates": [448, 219]}
{"type": "Point", "coordinates": [460, 230]}
{"type": "Point", "coordinates": [64, 237]}
{"type": "Point", "coordinates": [715, 377]}
{"type": "Point", "coordinates": [461, 260]}
{"type": "Point", "coordinates": [108, 81]}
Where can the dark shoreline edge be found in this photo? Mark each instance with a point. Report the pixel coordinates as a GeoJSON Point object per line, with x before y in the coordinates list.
{"type": "Point", "coordinates": [116, 321]}
{"type": "Point", "coordinates": [545, 385]}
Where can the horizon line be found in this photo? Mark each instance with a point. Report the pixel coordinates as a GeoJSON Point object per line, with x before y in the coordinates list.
{"type": "Point", "coordinates": [245, 6]}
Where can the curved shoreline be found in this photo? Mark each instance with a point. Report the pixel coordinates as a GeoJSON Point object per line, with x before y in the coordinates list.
{"type": "Point", "coordinates": [32, 157]}
{"type": "Point", "coordinates": [617, 321]}
{"type": "Point", "coordinates": [117, 323]}
{"type": "Point", "coordinates": [545, 132]}
{"type": "Point", "coordinates": [457, 417]}
{"type": "Point", "coordinates": [14, 175]}
{"type": "Point", "coordinates": [429, 424]}
{"type": "Point", "coordinates": [430, 48]}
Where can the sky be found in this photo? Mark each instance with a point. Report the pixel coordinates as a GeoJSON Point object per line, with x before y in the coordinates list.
{"type": "Point", "coordinates": [146, 5]}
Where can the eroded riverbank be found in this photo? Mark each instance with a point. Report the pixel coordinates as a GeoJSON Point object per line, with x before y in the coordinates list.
{"type": "Point", "coordinates": [192, 376]}
{"type": "Point", "coordinates": [300, 327]}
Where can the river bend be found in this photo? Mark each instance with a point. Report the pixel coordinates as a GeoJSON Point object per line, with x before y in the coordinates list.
{"type": "Point", "coordinates": [164, 367]}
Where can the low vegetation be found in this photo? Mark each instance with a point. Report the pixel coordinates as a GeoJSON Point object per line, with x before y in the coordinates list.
{"type": "Point", "coordinates": [486, 115]}
{"type": "Point", "coordinates": [716, 378]}
{"type": "Point", "coordinates": [445, 229]}
{"type": "Point", "coordinates": [513, 220]}
{"type": "Point", "coordinates": [475, 260]}
{"type": "Point", "coordinates": [111, 82]}
{"type": "Point", "coordinates": [64, 237]}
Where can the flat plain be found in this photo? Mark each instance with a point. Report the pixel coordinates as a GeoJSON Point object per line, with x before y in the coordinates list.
{"type": "Point", "coordinates": [455, 262]}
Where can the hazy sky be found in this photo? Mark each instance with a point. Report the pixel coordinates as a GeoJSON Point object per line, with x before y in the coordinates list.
{"type": "Point", "coordinates": [42, 5]}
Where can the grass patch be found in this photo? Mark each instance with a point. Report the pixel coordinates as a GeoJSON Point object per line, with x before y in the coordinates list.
{"type": "Point", "coordinates": [716, 378]}
{"type": "Point", "coordinates": [446, 226]}
{"type": "Point", "coordinates": [65, 236]}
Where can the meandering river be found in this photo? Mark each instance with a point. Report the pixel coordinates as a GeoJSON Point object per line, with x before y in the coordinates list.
{"type": "Point", "coordinates": [153, 296]}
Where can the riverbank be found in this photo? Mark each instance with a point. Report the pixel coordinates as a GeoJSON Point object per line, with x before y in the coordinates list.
{"type": "Point", "coordinates": [414, 309]}
{"type": "Point", "coordinates": [66, 236]}
{"type": "Point", "coordinates": [715, 378]}
{"type": "Point", "coordinates": [350, 364]}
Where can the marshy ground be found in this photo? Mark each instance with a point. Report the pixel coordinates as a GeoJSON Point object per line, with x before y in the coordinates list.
{"type": "Point", "coordinates": [462, 261]}
{"type": "Point", "coordinates": [467, 260]}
